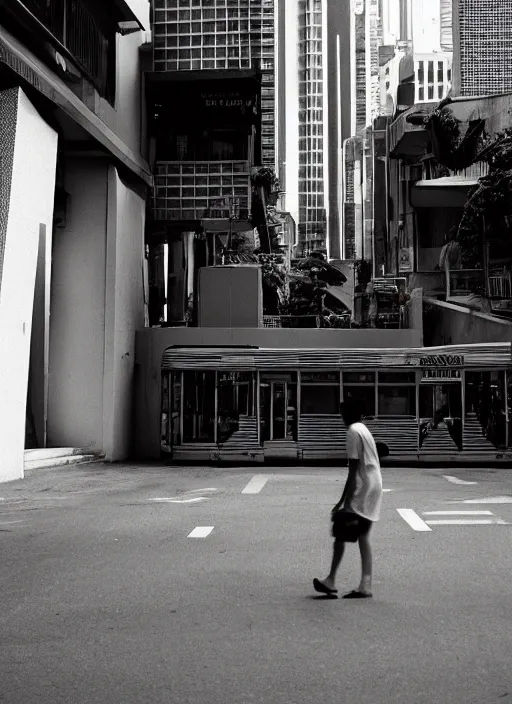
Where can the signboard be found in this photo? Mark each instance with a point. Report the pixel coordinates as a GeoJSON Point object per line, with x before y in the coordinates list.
{"type": "Point", "coordinates": [442, 360]}
{"type": "Point", "coordinates": [319, 377]}
{"type": "Point", "coordinates": [441, 375]}
{"type": "Point", "coordinates": [406, 260]}
{"type": "Point", "coordinates": [234, 377]}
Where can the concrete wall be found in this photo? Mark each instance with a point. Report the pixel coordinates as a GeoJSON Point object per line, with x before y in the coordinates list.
{"type": "Point", "coordinates": [125, 118]}
{"type": "Point", "coordinates": [27, 182]}
{"type": "Point", "coordinates": [124, 313]}
{"type": "Point", "coordinates": [152, 342]}
{"type": "Point", "coordinates": [97, 304]}
{"type": "Point", "coordinates": [75, 405]}
{"type": "Point", "coordinates": [448, 324]}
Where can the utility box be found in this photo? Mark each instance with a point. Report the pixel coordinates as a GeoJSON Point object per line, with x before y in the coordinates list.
{"type": "Point", "coordinates": [230, 296]}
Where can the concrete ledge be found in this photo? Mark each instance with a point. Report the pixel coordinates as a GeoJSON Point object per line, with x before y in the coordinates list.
{"type": "Point", "coordinates": [61, 461]}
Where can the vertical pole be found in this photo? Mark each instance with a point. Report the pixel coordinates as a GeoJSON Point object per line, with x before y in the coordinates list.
{"type": "Point", "coordinates": [182, 404]}
{"type": "Point", "coordinates": [271, 410]}
{"type": "Point", "coordinates": [507, 439]}
{"type": "Point", "coordinates": [258, 406]}
{"type": "Point", "coordinates": [463, 402]}
{"type": "Point", "coordinates": [418, 383]}
{"type": "Point", "coordinates": [298, 409]}
{"type": "Point", "coordinates": [376, 389]}
{"type": "Point", "coordinates": [215, 420]}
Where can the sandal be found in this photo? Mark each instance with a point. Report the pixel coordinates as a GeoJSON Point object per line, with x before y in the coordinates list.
{"type": "Point", "coordinates": [355, 594]}
{"type": "Point", "coordinates": [322, 588]}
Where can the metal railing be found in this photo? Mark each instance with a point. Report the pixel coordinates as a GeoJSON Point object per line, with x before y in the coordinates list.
{"type": "Point", "coordinates": [74, 26]}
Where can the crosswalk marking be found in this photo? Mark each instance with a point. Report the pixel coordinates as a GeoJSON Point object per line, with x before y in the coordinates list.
{"type": "Point", "coordinates": [489, 500]}
{"type": "Point", "coordinates": [467, 522]}
{"type": "Point", "coordinates": [412, 518]}
{"type": "Point", "coordinates": [201, 532]}
{"type": "Point", "coordinates": [256, 484]}
{"type": "Point", "coordinates": [456, 480]}
{"type": "Point", "coordinates": [457, 513]}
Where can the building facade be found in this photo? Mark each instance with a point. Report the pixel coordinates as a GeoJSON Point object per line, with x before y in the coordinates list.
{"type": "Point", "coordinates": [73, 183]}
{"type": "Point", "coordinates": [482, 47]}
{"type": "Point", "coordinates": [203, 36]}
{"type": "Point", "coordinates": [314, 118]}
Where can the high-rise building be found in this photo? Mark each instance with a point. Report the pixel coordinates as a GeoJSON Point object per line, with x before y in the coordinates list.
{"type": "Point", "coordinates": [313, 41]}
{"type": "Point", "coordinates": [482, 47]}
{"type": "Point", "coordinates": [200, 35]}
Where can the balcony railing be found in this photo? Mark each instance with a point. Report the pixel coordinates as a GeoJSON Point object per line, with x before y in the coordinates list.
{"type": "Point", "coordinates": [202, 189]}
{"type": "Point", "coordinates": [75, 25]}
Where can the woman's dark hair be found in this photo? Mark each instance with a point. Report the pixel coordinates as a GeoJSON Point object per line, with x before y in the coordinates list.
{"type": "Point", "coordinates": [352, 410]}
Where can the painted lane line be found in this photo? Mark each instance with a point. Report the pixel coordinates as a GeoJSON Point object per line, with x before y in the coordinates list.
{"type": "Point", "coordinates": [256, 484]}
{"type": "Point", "coordinates": [468, 522]}
{"type": "Point", "coordinates": [8, 523]}
{"type": "Point", "coordinates": [457, 513]}
{"type": "Point", "coordinates": [201, 532]}
{"type": "Point", "coordinates": [180, 501]}
{"type": "Point", "coordinates": [412, 518]}
{"type": "Point", "coordinates": [455, 480]}
{"type": "Point", "coordinates": [489, 500]}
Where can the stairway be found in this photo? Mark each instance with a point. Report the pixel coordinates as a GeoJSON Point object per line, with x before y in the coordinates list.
{"type": "Point", "coordinates": [474, 440]}
{"type": "Point", "coordinates": [439, 441]}
{"type": "Point", "coordinates": [246, 437]}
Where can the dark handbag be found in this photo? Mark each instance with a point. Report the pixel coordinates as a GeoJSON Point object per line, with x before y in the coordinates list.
{"type": "Point", "coordinates": [382, 449]}
{"type": "Point", "coordinates": [346, 526]}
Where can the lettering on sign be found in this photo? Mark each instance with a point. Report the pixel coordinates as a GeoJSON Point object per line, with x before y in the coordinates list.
{"type": "Point", "coordinates": [308, 377]}
{"type": "Point", "coordinates": [442, 360]}
{"type": "Point", "coordinates": [442, 374]}
{"type": "Point", "coordinates": [235, 377]}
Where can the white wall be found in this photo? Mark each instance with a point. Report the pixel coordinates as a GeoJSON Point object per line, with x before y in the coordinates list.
{"type": "Point", "coordinates": [124, 313]}
{"type": "Point", "coordinates": [97, 305]}
{"type": "Point", "coordinates": [26, 202]}
{"type": "Point", "coordinates": [77, 328]}
{"type": "Point", "coordinates": [125, 117]}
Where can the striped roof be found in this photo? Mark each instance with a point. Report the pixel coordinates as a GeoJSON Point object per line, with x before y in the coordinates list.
{"type": "Point", "coordinates": [477, 355]}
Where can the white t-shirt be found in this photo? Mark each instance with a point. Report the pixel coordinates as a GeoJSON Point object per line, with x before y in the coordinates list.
{"type": "Point", "coordinates": [367, 497]}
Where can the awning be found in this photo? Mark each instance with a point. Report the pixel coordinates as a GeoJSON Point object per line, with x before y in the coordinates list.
{"type": "Point", "coordinates": [127, 13]}
{"type": "Point", "coordinates": [23, 62]}
{"type": "Point", "coordinates": [445, 192]}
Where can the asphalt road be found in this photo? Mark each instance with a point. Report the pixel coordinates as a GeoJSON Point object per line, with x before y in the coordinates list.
{"type": "Point", "coordinates": [106, 598]}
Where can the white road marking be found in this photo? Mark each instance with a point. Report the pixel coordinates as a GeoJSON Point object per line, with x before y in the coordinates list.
{"type": "Point", "coordinates": [468, 522]}
{"type": "Point", "coordinates": [489, 500]}
{"type": "Point", "coordinates": [256, 484]}
{"type": "Point", "coordinates": [385, 490]}
{"type": "Point", "coordinates": [8, 523]}
{"type": "Point", "coordinates": [180, 501]}
{"type": "Point", "coordinates": [200, 491]}
{"type": "Point", "coordinates": [455, 480]}
{"type": "Point", "coordinates": [412, 518]}
{"type": "Point", "coordinates": [457, 513]}
{"type": "Point", "coordinates": [201, 532]}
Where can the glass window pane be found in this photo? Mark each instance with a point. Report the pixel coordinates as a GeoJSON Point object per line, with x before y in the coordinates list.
{"type": "Point", "coordinates": [320, 400]}
{"type": "Point", "coordinates": [364, 394]}
{"type": "Point", "coordinates": [397, 377]}
{"type": "Point", "coordinates": [198, 406]}
{"type": "Point", "coordinates": [358, 377]}
{"type": "Point", "coordinates": [397, 401]}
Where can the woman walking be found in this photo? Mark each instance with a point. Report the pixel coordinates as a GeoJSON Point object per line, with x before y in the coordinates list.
{"type": "Point", "coordinates": [360, 503]}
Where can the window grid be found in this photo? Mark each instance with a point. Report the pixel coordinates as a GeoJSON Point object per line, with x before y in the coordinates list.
{"type": "Point", "coordinates": [485, 46]}
{"type": "Point", "coordinates": [184, 191]}
{"type": "Point", "coordinates": [312, 219]}
{"type": "Point", "coordinates": [219, 34]}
